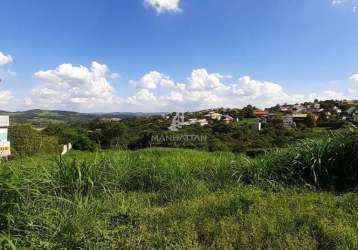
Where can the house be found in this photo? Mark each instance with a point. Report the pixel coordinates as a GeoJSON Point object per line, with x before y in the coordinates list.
{"type": "Point", "coordinates": [337, 110]}
{"type": "Point", "coordinates": [285, 109]}
{"type": "Point", "coordinates": [214, 116]}
{"type": "Point", "coordinates": [299, 118]}
{"type": "Point", "coordinates": [228, 119]}
{"type": "Point", "coordinates": [114, 119]}
{"type": "Point", "coordinates": [299, 108]}
{"type": "Point", "coordinates": [193, 121]}
{"type": "Point", "coordinates": [261, 113]}
{"type": "Point", "coordinates": [203, 122]}
{"type": "Point", "coordinates": [327, 115]}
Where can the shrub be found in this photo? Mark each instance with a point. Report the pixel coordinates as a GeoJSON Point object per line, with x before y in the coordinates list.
{"type": "Point", "coordinates": [25, 140]}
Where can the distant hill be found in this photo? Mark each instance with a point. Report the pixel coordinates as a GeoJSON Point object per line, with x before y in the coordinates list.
{"type": "Point", "coordinates": [40, 117]}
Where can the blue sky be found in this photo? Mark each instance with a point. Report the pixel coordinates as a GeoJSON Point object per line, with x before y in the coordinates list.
{"type": "Point", "coordinates": [164, 55]}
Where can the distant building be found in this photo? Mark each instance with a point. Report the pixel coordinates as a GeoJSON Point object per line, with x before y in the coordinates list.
{"type": "Point", "coordinates": [299, 108]}
{"type": "Point", "coordinates": [193, 121]}
{"type": "Point", "coordinates": [261, 113]}
{"type": "Point", "coordinates": [114, 119]}
{"type": "Point", "coordinates": [203, 122]}
{"type": "Point", "coordinates": [214, 116]}
{"type": "Point", "coordinates": [285, 109]}
{"type": "Point", "coordinates": [228, 119]}
{"type": "Point", "coordinates": [299, 118]}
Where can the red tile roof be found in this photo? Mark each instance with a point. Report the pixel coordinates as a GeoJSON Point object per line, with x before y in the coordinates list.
{"type": "Point", "coordinates": [259, 112]}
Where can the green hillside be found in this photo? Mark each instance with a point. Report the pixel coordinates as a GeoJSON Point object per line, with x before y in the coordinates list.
{"type": "Point", "coordinates": [44, 118]}
{"type": "Point", "coordinates": [301, 197]}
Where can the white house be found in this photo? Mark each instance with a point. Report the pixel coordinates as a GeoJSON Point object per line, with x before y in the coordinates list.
{"type": "Point", "coordinates": [228, 119]}
{"type": "Point", "coordinates": [214, 116]}
{"type": "Point", "coordinates": [203, 122]}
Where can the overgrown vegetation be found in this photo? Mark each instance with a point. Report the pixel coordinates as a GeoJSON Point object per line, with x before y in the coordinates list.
{"type": "Point", "coordinates": [25, 140]}
{"type": "Point", "coordinates": [301, 197]}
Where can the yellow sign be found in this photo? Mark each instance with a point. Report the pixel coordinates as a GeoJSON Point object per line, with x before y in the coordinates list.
{"type": "Point", "coordinates": [4, 148]}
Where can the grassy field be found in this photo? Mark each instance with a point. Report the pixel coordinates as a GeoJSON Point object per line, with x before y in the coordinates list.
{"type": "Point", "coordinates": [302, 197]}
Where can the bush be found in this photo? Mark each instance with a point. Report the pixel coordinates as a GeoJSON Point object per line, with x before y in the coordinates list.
{"type": "Point", "coordinates": [25, 140]}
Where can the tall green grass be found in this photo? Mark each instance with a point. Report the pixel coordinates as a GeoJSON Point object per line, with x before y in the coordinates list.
{"type": "Point", "coordinates": [184, 199]}
{"type": "Point", "coordinates": [329, 164]}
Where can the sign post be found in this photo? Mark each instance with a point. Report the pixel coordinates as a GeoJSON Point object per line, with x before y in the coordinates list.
{"type": "Point", "coordinates": [4, 143]}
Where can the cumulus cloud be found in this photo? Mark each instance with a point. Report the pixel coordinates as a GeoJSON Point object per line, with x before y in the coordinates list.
{"type": "Point", "coordinates": [5, 95]}
{"type": "Point", "coordinates": [152, 80]}
{"type": "Point", "coordinates": [207, 90]}
{"type": "Point", "coordinates": [5, 59]}
{"type": "Point", "coordinates": [73, 87]}
{"type": "Point", "coordinates": [88, 89]}
{"type": "Point", "coordinates": [5, 98]}
{"type": "Point", "coordinates": [353, 87]}
{"type": "Point", "coordinates": [201, 80]}
{"type": "Point", "coordinates": [162, 6]}
{"type": "Point", "coordinates": [354, 79]}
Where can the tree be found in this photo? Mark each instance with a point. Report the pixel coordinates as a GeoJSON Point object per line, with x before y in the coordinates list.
{"type": "Point", "coordinates": [311, 120]}
{"type": "Point", "coordinates": [248, 111]}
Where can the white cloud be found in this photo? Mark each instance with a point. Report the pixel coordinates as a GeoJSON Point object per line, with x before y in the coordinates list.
{"type": "Point", "coordinates": [353, 87]}
{"type": "Point", "coordinates": [88, 89]}
{"type": "Point", "coordinates": [351, 3]}
{"type": "Point", "coordinates": [354, 79]}
{"type": "Point", "coordinates": [337, 2]}
{"type": "Point", "coordinates": [201, 80]}
{"type": "Point", "coordinates": [5, 97]}
{"type": "Point", "coordinates": [5, 59]}
{"type": "Point", "coordinates": [141, 97]}
{"type": "Point", "coordinates": [328, 95]}
{"type": "Point", "coordinates": [72, 87]}
{"type": "Point", "coordinates": [207, 90]}
{"type": "Point", "coordinates": [152, 80]}
{"type": "Point", "coordinates": [162, 6]}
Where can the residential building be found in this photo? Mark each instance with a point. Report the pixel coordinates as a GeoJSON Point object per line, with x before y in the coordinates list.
{"type": "Point", "coordinates": [214, 116]}
{"type": "Point", "coordinates": [261, 113]}
{"type": "Point", "coordinates": [317, 106]}
{"type": "Point", "coordinates": [228, 119]}
{"type": "Point", "coordinates": [203, 122]}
